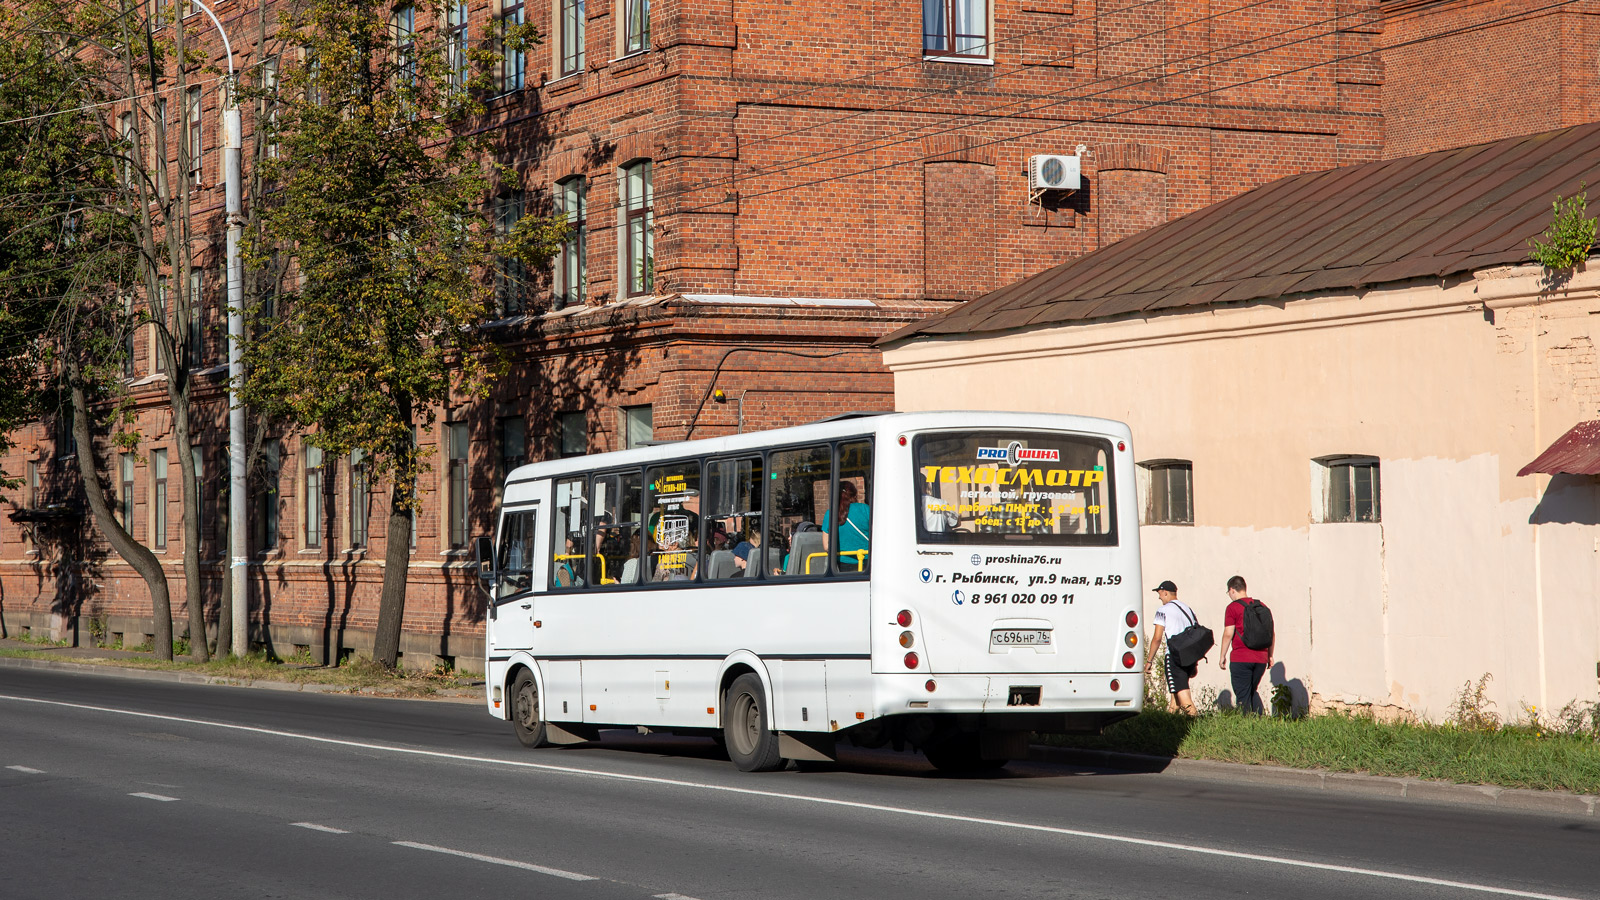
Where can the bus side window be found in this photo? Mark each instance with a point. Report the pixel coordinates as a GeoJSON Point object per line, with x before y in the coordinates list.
{"type": "Point", "coordinates": [850, 520]}
{"type": "Point", "coordinates": [515, 557]}
{"type": "Point", "coordinates": [617, 523]}
{"type": "Point", "coordinates": [570, 547]}
{"type": "Point", "coordinates": [799, 487]}
{"type": "Point", "coordinates": [672, 530]}
{"type": "Point", "coordinates": [734, 545]}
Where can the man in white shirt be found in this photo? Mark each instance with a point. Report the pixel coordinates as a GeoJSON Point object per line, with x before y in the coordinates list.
{"type": "Point", "coordinates": [1174, 617]}
{"type": "Point", "coordinates": [937, 516]}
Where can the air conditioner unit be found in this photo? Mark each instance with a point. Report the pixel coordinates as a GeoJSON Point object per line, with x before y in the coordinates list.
{"type": "Point", "coordinates": [1052, 172]}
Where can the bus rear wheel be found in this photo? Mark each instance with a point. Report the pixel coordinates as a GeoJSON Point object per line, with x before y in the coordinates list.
{"type": "Point", "coordinates": [526, 717]}
{"type": "Point", "coordinates": [961, 753]}
{"type": "Point", "coordinates": [750, 745]}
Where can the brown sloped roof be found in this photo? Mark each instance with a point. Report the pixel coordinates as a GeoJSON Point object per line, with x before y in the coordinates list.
{"type": "Point", "coordinates": [1432, 215]}
{"type": "Point", "coordinates": [1575, 453]}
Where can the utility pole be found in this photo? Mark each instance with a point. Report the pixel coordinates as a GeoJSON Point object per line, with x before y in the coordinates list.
{"type": "Point", "coordinates": [238, 536]}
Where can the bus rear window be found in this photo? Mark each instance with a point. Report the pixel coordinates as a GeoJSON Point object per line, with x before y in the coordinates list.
{"type": "Point", "coordinates": [984, 487]}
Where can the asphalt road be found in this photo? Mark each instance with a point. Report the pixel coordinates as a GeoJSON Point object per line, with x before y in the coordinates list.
{"type": "Point", "coordinates": [114, 788]}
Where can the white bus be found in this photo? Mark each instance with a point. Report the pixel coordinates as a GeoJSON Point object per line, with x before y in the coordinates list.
{"type": "Point", "coordinates": [947, 581]}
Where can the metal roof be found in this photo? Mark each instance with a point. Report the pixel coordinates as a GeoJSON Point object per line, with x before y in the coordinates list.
{"type": "Point", "coordinates": [1434, 215]}
{"type": "Point", "coordinates": [1575, 453]}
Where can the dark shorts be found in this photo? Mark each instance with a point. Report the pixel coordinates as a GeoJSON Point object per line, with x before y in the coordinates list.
{"type": "Point", "coordinates": [1178, 676]}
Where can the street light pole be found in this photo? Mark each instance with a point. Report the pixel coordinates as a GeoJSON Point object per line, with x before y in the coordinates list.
{"type": "Point", "coordinates": [238, 549]}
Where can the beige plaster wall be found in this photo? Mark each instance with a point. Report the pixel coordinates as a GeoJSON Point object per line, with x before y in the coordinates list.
{"type": "Point", "coordinates": [1454, 387]}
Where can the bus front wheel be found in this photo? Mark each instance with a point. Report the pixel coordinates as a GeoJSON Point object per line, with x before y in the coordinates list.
{"type": "Point", "coordinates": [751, 746]}
{"type": "Point", "coordinates": [526, 717]}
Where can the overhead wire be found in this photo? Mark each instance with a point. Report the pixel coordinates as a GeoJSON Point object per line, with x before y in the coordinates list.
{"type": "Point", "coordinates": [1144, 106]}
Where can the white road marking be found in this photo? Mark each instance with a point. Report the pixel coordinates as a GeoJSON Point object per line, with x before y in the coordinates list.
{"type": "Point", "coordinates": [25, 770]}
{"type": "Point", "coordinates": [828, 801]}
{"type": "Point", "coordinates": [545, 870]}
{"type": "Point", "coordinates": [672, 897]}
{"type": "Point", "coordinates": [315, 827]}
{"type": "Point", "coordinates": [162, 797]}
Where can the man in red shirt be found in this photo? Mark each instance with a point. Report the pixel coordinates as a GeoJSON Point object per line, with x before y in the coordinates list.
{"type": "Point", "coordinates": [1247, 665]}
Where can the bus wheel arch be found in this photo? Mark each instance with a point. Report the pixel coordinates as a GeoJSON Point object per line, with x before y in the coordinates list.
{"type": "Point", "coordinates": [738, 663]}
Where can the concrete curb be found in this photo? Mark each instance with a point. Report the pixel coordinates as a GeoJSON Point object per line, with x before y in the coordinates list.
{"type": "Point", "coordinates": [1555, 802]}
{"type": "Point", "coordinates": [454, 695]}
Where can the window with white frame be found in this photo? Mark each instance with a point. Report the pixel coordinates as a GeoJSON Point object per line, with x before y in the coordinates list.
{"type": "Point", "coordinates": [162, 129]}
{"type": "Point", "coordinates": [1350, 489]}
{"type": "Point", "coordinates": [126, 495]}
{"type": "Point", "coordinates": [264, 524]}
{"type": "Point", "coordinates": [513, 283]}
{"type": "Point", "coordinates": [571, 267]}
{"type": "Point", "coordinates": [404, 26]}
{"type": "Point", "coordinates": [360, 499]}
{"type": "Point", "coordinates": [456, 435]}
{"type": "Point", "coordinates": [130, 332]}
{"type": "Point", "coordinates": [455, 42]}
{"type": "Point", "coordinates": [128, 135]}
{"type": "Point", "coordinates": [513, 445]}
{"type": "Point", "coordinates": [638, 242]}
{"type": "Point", "coordinates": [197, 459]}
{"type": "Point", "coordinates": [158, 499]}
{"type": "Point", "coordinates": [192, 147]}
{"type": "Point", "coordinates": [638, 426]}
{"type": "Point", "coordinates": [635, 26]}
{"type": "Point", "coordinates": [513, 63]}
{"type": "Point", "coordinates": [955, 28]}
{"type": "Point", "coordinates": [1168, 491]}
{"type": "Point", "coordinates": [269, 105]}
{"type": "Point", "coordinates": [570, 26]}
{"type": "Point", "coordinates": [573, 431]}
{"type": "Point", "coordinates": [160, 314]}
{"type": "Point", "coordinates": [195, 339]}
{"type": "Point", "coordinates": [313, 497]}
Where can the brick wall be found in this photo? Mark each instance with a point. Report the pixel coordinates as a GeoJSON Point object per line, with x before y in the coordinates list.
{"type": "Point", "coordinates": [800, 150]}
{"type": "Point", "coordinates": [1454, 77]}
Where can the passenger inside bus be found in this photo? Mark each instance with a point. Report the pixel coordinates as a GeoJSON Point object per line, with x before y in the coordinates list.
{"type": "Point", "coordinates": [855, 528]}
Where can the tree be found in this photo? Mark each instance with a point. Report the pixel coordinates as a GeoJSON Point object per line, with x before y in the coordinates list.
{"type": "Point", "coordinates": [109, 80]}
{"type": "Point", "coordinates": [64, 253]}
{"type": "Point", "coordinates": [378, 197]}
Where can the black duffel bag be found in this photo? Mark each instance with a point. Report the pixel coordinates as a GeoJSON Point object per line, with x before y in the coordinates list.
{"type": "Point", "coordinates": [1190, 645]}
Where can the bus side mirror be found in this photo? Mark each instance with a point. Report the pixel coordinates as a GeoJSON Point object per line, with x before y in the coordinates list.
{"type": "Point", "coordinates": [485, 552]}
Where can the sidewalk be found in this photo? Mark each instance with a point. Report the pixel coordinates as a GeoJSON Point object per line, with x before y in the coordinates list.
{"type": "Point", "coordinates": [1416, 789]}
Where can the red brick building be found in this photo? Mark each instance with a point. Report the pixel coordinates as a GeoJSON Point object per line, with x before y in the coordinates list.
{"type": "Point", "coordinates": [764, 188]}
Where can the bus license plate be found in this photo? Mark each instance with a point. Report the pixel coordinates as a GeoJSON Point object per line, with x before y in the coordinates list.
{"type": "Point", "coordinates": [1006, 638]}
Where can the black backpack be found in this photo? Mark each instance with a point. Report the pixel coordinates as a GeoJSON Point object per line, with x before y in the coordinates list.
{"type": "Point", "coordinates": [1257, 630]}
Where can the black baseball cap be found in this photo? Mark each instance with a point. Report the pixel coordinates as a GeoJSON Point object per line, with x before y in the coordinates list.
{"type": "Point", "coordinates": [1166, 586]}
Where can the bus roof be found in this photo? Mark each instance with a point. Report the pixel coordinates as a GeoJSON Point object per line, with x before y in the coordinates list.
{"type": "Point", "coordinates": [831, 429]}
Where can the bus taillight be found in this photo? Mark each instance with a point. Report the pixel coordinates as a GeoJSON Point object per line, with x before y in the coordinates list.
{"type": "Point", "coordinates": [1133, 619]}
{"type": "Point", "coordinates": [911, 660]}
{"type": "Point", "coordinates": [930, 685]}
{"type": "Point", "coordinates": [1116, 685]}
{"type": "Point", "coordinates": [907, 639]}
{"type": "Point", "coordinates": [904, 618]}
{"type": "Point", "coordinates": [1128, 660]}
{"type": "Point", "coordinates": [1131, 638]}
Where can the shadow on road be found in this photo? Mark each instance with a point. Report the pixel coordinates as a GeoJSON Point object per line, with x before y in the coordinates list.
{"type": "Point", "coordinates": [861, 761]}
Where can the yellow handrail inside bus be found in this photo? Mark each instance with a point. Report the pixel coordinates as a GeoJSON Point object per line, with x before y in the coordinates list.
{"type": "Point", "coordinates": [603, 578]}
{"type": "Point", "coordinates": [860, 555]}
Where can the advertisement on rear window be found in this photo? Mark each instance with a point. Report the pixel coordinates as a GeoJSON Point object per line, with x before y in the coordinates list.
{"type": "Point", "coordinates": [1014, 487]}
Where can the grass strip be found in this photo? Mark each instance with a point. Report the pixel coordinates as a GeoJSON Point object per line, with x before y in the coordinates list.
{"type": "Point", "coordinates": [1509, 757]}
{"type": "Point", "coordinates": [355, 675]}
